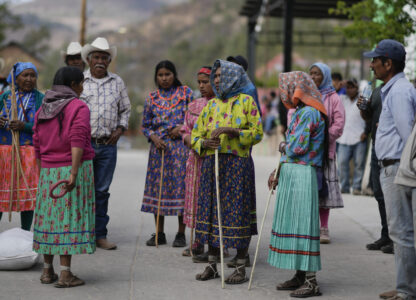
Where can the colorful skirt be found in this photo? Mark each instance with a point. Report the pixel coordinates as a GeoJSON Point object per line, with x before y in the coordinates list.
{"type": "Point", "coordinates": [294, 242]}
{"type": "Point", "coordinates": [236, 185]}
{"type": "Point", "coordinates": [334, 198]}
{"type": "Point", "coordinates": [65, 226]}
{"type": "Point", "coordinates": [173, 187]}
{"type": "Point", "coordinates": [193, 176]}
{"type": "Point", "coordinates": [23, 198]}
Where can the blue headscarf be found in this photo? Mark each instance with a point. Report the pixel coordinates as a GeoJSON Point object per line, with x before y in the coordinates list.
{"type": "Point", "coordinates": [234, 79]}
{"type": "Point", "coordinates": [18, 68]}
{"type": "Point", "coordinates": [326, 86]}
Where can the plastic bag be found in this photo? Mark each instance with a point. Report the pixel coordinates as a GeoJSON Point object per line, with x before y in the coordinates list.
{"type": "Point", "coordinates": [16, 250]}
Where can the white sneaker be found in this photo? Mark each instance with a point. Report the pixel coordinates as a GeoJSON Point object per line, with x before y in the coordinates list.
{"type": "Point", "coordinates": [324, 236]}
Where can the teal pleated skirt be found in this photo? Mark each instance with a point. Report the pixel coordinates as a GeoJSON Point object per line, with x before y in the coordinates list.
{"type": "Point", "coordinates": [294, 242]}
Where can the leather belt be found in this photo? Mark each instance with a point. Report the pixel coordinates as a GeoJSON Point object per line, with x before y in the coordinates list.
{"type": "Point", "coordinates": [387, 162]}
{"type": "Point", "coordinates": [100, 140]}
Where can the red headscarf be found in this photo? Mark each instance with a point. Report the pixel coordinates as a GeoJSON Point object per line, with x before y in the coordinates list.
{"type": "Point", "coordinates": [205, 71]}
{"type": "Point", "coordinates": [298, 86]}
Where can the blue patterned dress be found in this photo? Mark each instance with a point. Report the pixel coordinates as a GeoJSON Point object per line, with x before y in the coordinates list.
{"type": "Point", "coordinates": [294, 242]}
{"type": "Point", "coordinates": [163, 110]}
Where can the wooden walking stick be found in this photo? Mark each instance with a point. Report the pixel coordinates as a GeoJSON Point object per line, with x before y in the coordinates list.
{"type": "Point", "coordinates": [261, 226]}
{"type": "Point", "coordinates": [217, 184]}
{"type": "Point", "coordinates": [160, 198]}
{"type": "Point", "coordinates": [192, 208]}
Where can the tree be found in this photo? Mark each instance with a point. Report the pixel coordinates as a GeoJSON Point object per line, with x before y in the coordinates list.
{"type": "Point", "coordinates": [7, 21]}
{"type": "Point", "coordinates": [374, 20]}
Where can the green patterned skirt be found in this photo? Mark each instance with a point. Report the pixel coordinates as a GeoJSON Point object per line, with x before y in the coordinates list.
{"type": "Point", "coordinates": [294, 242]}
{"type": "Point", "coordinates": [65, 226]}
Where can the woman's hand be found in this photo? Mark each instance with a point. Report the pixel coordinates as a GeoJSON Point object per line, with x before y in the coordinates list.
{"type": "Point", "coordinates": [3, 122]}
{"type": "Point", "coordinates": [72, 180]}
{"type": "Point", "coordinates": [174, 133]}
{"type": "Point", "coordinates": [272, 182]}
{"type": "Point", "coordinates": [187, 141]}
{"type": "Point", "coordinates": [17, 125]}
{"type": "Point", "coordinates": [212, 143]}
{"type": "Point", "coordinates": [231, 132]}
{"type": "Point", "coordinates": [158, 142]}
{"type": "Point", "coordinates": [282, 147]}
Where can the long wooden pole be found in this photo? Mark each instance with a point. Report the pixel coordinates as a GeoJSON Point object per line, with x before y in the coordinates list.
{"type": "Point", "coordinates": [83, 22]}
{"type": "Point", "coordinates": [217, 183]}
{"type": "Point", "coordinates": [261, 227]}
{"type": "Point", "coordinates": [160, 198]}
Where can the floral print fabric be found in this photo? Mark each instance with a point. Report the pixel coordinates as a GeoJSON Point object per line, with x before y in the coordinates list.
{"type": "Point", "coordinates": [238, 112]}
{"type": "Point", "coordinates": [305, 138]}
{"type": "Point", "coordinates": [65, 226]}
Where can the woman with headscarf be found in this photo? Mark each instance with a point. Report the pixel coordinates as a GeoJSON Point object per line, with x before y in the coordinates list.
{"type": "Point", "coordinates": [294, 242]}
{"type": "Point", "coordinates": [230, 123]}
{"type": "Point", "coordinates": [64, 225]}
{"type": "Point", "coordinates": [163, 118]}
{"type": "Point", "coordinates": [321, 75]}
{"type": "Point", "coordinates": [194, 162]}
{"type": "Point", "coordinates": [28, 99]}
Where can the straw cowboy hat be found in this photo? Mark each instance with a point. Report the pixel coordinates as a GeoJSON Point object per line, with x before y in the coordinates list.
{"type": "Point", "coordinates": [99, 44]}
{"type": "Point", "coordinates": [74, 48]}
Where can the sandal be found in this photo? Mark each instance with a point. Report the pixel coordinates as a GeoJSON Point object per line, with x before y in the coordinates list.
{"type": "Point", "coordinates": [210, 272]}
{"type": "Point", "coordinates": [310, 288]}
{"type": "Point", "coordinates": [48, 277]}
{"type": "Point", "coordinates": [294, 283]}
{"type": "Point", "coordinates": [238, 276]}
{"type": "Point", "coordinates": [71, 282]}
{"type": "Point", "coordinates": [195, 251]}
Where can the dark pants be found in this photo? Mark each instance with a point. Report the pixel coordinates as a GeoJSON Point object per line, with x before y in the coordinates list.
{"type": "Point", "coordinates": [378, 193]}
{"type": "Point", "coordinates": [104, 165]}
{"type": "Point", "coordinates": [26, 218]}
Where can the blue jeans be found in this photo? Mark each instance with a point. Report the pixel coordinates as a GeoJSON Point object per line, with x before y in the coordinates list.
{"type": "Point", "coordinates": [378, 193]}
{"type": "Point", "coordinates": [345, 154]}
{"type": "Point", "coordinates": [401, 218]}
{"type": "Point", "coordinates": [104, 165]}
{"type": "Point", "coordinates": [269, 122]}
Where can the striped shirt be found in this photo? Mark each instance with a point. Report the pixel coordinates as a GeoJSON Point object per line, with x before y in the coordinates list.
{"type": "Point", "coordinates": [108, 102]}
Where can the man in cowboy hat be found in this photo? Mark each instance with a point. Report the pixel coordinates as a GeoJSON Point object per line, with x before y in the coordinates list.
{"type": "Point", "coordinates": [109, 104]}
{"type": "Point", "coordinates": [72, 56]}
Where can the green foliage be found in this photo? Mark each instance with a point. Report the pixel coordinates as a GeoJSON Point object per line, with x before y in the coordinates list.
{"type": "Point", "coordinates": [7, 21]}
{"type": "Point", "coordinates": [374, 20]}
{"type": "Point", "coordinates": [36, 40]}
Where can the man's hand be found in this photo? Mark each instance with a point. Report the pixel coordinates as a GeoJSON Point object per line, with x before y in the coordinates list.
{"type": "Point", "coordinates": [363, 137]}
{"type": "Point", "coordinates": [231, 132]}
{"type": "Point", "coordinates": [158, 142]}
{"type": "Point", "coordinates": [174, 133]}
{"type": "Point", "coordinates": [115, 135]}
{"type": "Point", "coordinates": [17, 125]}
{"type": "Point", "coordinates": [3, 122]}
{"type": "Point", "coordinates": [362, 104]}
{"type": "Point", "coordinates": [212, 143]}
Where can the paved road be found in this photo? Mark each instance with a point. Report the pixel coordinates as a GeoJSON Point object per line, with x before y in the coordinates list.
{"type": "Point", "coordinates": [135, 271]}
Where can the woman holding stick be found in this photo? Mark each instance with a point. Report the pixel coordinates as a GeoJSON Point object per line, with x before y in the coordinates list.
{"type": "Point", "coordinates": [294, 240]}
{"type": "Point", "coordinates": [163, 118]}
{"type": "Point", "coordinates": [194, 162]}
{"type": "Point", "coordinates": [64, 226]}
{"type": "Point", "coordinates": [231, 124]}
{"type": "Point", "coordinates": [28, 100]}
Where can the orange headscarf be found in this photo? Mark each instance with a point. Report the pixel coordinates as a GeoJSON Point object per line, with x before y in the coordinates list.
{"type": "Point", "coordinates": [298, 86]}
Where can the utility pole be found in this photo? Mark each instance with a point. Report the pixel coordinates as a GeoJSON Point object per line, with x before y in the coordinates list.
{"type": "Point", "coordinates": [83, 22]}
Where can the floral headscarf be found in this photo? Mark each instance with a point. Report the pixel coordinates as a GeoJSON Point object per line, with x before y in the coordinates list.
{"type": "Point", "coordinates": [326, 86]}
{"type": "Point", "coordinates": [298, 86]}
{"type": "Point", "coordinates": [233, 79]}
{"type": "Point", "coordinates": [18, 68]}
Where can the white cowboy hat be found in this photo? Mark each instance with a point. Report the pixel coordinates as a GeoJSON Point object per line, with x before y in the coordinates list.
{"type": "Point", "coordinates": [99, 44]}
{"type": "Point", "coordinates": [74, 48]}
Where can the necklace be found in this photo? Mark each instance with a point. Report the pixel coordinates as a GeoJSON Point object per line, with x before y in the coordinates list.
{"type": "Point", "coordinates": [158, 96]}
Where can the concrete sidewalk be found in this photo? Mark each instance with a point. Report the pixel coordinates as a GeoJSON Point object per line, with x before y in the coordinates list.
{"type": "Point", "coordinates": [135, 271]}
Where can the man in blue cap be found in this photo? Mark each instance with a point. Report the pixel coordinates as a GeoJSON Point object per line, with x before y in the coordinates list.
{"type": "Point", "coordinates": [395, 125]}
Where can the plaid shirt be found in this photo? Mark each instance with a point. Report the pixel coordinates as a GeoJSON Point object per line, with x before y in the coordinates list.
{"type": "Point", "coordinates": [108, 102]}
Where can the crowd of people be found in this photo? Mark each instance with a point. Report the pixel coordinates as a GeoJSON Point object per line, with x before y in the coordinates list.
{"type": "Point", "coordinates": [67, 140]}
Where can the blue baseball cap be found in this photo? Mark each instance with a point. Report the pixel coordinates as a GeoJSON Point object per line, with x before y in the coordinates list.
{"type": "Point", "coordinates": [388, 48]}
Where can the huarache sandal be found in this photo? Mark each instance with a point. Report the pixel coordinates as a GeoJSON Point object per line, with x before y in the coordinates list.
{"type": "Point", "coordinates": [72, 281]}
{"type": "Point", "coordinates": [310, 288]}
{"type": "Point", "coordinates": [294, 283]}
{"type": "Point", "coordinates": [49, 276]}
{"type": "Point", "coordinates": [210, 272]}
{"type": "Point", "coordinates": [238, 276]}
